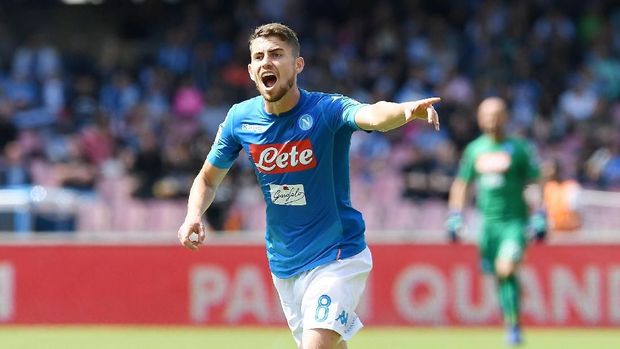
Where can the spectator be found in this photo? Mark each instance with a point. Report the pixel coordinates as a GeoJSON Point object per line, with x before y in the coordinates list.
{"type": "Point", "coordinates": [14, 170]}
{"type": "Point", "coordinates": [118, 96]}
{"type": "Point", "coordinates": [555, 64]}
{"type": "Point", "coordinates": [610, 173]}
{"type": "Point", "coordinates": [578, 103]}
{"type": "Point", "coordinates": [74, 170]}
{"type": "Point", "coordinates": [147, 167]}
{"type": "Point", "coordinates": [8, 131]}
{"type": "Point", "coordinates": [175, 53]}
{"type": "Point", "coordinates": [561, 198]}
{"type": "Point", "coordinates": [37, 59]}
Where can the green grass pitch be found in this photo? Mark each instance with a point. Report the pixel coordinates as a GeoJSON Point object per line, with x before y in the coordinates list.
{"type": "Point", "coordinates": [120, 337]}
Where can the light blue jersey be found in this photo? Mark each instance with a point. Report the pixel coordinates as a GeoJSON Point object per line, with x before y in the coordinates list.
{"type": "Point", "coordinates": [301, 161]}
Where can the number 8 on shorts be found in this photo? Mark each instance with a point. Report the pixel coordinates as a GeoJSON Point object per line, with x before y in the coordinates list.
{"type": "Point", "coordinates": [322, 309]}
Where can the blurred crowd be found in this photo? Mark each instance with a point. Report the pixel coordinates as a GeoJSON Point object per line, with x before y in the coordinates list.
{"type": "Point", "coordinates": [134, 92]}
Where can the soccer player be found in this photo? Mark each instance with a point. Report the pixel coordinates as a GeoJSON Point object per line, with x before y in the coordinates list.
{"type": "Point", "coordinates": [502, 167]}
{"type": "Point", "coordinates": [298, 143]}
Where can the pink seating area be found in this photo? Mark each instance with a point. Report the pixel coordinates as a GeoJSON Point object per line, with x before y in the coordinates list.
{"type": "Point", "coordinates": [601, 217]}
{"type": "Point", "coordinates": [114, 209]}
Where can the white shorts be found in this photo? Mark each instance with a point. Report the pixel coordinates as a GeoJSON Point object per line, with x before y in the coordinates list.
{"type": "Point", "coordinates": [326, 296]}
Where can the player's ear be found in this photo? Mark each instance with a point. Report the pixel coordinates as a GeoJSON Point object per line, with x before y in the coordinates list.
{"type": "Point", "coordinates": [299, 64]}
{"type": "Point", "coordinates": [250, 72]}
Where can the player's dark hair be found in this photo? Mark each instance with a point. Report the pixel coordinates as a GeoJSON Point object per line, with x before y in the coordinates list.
{"type": "Point", "coordinates": [283, 32]}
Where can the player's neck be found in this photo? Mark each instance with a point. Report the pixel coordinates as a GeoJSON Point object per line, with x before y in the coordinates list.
{"type": "Point", "coordinates": [286, 103]}
{"type": "Point", "coordinates": [498, 137]}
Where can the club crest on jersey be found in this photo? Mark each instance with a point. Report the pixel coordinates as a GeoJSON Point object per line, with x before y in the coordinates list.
{"type": "Point", "coordinates": [283, 157]}
{"type": "Point", "coordinates": [288, 194]}
{"type": "Point", "coordinates": [305, 122]}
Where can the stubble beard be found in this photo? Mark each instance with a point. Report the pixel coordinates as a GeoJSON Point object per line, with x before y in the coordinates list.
{"type": "Point", "coordinates": [277, 94]}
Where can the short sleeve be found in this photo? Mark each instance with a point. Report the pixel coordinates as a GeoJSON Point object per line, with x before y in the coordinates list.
{"type": "Point", "coordinates": [340, 111]}
{"type": "Point", "coordinates": [225, 148]}
{"type": "Point", "coordinates": [532, 162]}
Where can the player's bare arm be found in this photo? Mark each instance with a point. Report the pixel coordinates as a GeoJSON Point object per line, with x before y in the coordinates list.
{"type": "Point", "coordinates": [458, 195]}
{"type": "Point", "coordinates": [201, 196]}
{"type": "Point", "coordinates": [384, 116]}
{"type": "Point", "coordinates": [456, 203]}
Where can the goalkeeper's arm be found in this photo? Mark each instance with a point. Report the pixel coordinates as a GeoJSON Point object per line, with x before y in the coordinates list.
{"type": "Point", "coordinates": [458, 195]}
{"type": "Point", "coordinates": [538, 222]}
{"type": "Point", "coordinates": [456, 204]}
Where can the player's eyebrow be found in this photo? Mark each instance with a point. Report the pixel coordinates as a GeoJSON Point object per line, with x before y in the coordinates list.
{"type": "Point", "coordinates": [272, 50]}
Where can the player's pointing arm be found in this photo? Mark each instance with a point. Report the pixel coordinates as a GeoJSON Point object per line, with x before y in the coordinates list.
{"type": "Point", "coordinates": [384, 116]}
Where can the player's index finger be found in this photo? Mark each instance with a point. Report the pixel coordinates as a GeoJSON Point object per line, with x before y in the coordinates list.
{"type": "Point", "coordinates": [429, 101]}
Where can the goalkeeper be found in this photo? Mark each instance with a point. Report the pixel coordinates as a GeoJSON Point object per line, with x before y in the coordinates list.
{"type": "Point", "coordinates": [502, 167]}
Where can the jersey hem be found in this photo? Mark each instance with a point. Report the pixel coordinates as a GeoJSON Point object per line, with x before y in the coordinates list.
{"type": "Point", "coordinates": [344, 253]}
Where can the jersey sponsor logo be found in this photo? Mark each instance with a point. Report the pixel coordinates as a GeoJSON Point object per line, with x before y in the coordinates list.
{"type": "Point", "coordinates": [288, 194]}
{"type": "Point", "coordinates": [305, 122]}
{"type": "Point", "coordinates": [497, 162]}
{"type": "Point", "coordinates": [253, 128]}
{"type": "Point", "coordinates": [492, 180]}
{"type": "Point", "coordinates": [284, 157]}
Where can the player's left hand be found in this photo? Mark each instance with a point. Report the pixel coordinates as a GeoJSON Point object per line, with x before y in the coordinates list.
{"type": "Point", "coordinates": [537, 226]}
{"type": "Point", "coordinates": [454, 226]}
{"type": "Point", "coordinates": [423, 109]}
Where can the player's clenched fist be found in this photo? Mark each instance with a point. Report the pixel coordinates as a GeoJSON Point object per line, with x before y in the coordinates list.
{"type": "Point", "coordinates": [192, 234]}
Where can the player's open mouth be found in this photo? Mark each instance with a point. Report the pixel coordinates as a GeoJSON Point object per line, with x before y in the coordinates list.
{"type": "Point", "coordinates": [269, 80]}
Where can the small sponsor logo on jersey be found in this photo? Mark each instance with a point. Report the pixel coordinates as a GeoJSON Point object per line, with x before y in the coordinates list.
{"type": "Point", "coordinates": [288, 194]}
{"type": "Point", "coordinates": [497, 162]}
{"type": "Point", "coordinates": [509, 148]}
{"type": "Point", "coordinates": [253, 128]}
{"type": "Point", "coordinates": [284, 157]}
{"type": "Point", "coordinates": [305, 122]}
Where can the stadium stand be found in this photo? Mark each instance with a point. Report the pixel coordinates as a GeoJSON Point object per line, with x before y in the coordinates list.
{"type": "Point", "coordinates": [116, 113]}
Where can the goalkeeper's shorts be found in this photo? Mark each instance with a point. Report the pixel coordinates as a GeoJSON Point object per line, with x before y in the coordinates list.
{"type": "Point", "coordinates": [501, 240]}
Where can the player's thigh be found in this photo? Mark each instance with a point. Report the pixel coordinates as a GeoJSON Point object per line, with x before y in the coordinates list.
{"type": "Point", "coordinates": [291, 305]}
{"type": "Point", "coordinates": [511, 247]}
{"type": "Point", "coordinates": [487, 245]}
{"type": "Point", "coordinates": [319, 338]}
{"type": "Point", "coordinates": [333, 293]}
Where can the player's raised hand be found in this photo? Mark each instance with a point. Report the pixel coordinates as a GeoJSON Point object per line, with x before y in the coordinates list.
{"type": "Point", "coordinates": [423, 109]}
{"type": "Point", "coordinates": [192, 234]}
